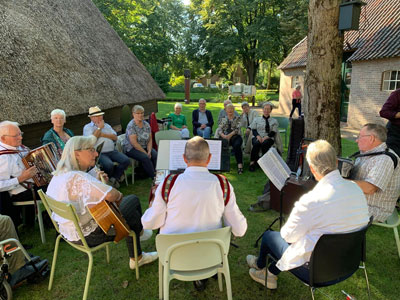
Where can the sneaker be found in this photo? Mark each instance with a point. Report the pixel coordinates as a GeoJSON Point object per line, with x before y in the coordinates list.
{"type": "Point", "coordinates": [259, 276]}
{"type": "Point", "coordinates": [146, 234]}
{"type": "Point", "coordinates": [114, 183]}
{"type": "Point", "coordinates": [122, 178]}
{"type": "Point", "coordinates": [252, 261]}
{"type": "Point", "coordinates": [147, 257]}
{"type": "Point", "coordinates": [256, 207]}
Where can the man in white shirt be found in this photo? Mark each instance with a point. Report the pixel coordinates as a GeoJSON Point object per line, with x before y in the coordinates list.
{"type": "Point", "coordinates": [334, 205]}
{"type": "Point", "coordinates": [105, 133]}
{"type": "Point", "coordinates": [196, 201]}
{"type": "Point", "coordinates": [13, 171]}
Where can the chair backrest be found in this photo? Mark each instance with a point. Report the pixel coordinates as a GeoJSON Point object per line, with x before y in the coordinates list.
{"type": "Point", "coordinates": [194, 251]}
{"type": "Point", "coordinates": [167, 135]}
{"type": "Point", "coordinates": [119, 143]}
{"type": "Point", "coordinates": [64, 210]}
{"type": "Point", "coordinates": [393, 220]}
{"type": "Point", "coordinates": [337, 256]}
{"type": "Point", "coordinates": [126, 117]}
{"type": "Point", "coordinates": [283, 122]}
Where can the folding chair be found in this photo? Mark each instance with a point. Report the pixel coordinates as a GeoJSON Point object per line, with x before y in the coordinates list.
{"type": "Point", "coordinates": [392, 222]}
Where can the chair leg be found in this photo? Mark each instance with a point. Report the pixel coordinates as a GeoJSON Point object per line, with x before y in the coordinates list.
{"type": "Point", "coordinates": [219, 275]}
{"type": "Point", "coordinates": [366, 279]}
{"type": "Point", "coordinates": [88, 276]}
{"type": "Point", "coordinates": [166, 284]}
{"type": "Point", "coordinates": [126, 178]}
{"type": "Point", "coordinates": [108, 254]}
{"type": "Point", "coordinates": [228, 285]}
{"type": "Point", "coordinates": [40, 221]}
{"type": "Point", "coordinates": [53, 267]}
{"type": "Point", "coordinates": [133, 173]}
{"type": "Point", "coordinates": [396, 237]}
{"type": "Point", "coordinates": [133, 234]}
{"type": "Point", "coordinates": [160, 280]}
{"type": "Point", "coordinates": [312, 292]}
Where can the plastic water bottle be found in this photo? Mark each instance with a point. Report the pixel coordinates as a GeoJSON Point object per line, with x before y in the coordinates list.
{"type": "Point", "coordinates": [349, 297]}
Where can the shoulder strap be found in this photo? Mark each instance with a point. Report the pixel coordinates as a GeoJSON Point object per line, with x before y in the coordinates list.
{"type": "Point", "coordinates": [171, 178]}
{"type": "Point", "coordinates": [8, 151]}
{"type": "Point", "coordinates": [167, 186]}
{"type": "Point", "coordinates": [226, 190]}
{"type": "Point", "coordinates": [386, 152]}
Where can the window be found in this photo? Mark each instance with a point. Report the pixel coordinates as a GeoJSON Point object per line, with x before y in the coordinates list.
{"type": "Point", "coordinates": [391, 80]}
{"type": "Point", "coordinates": [295, 81]}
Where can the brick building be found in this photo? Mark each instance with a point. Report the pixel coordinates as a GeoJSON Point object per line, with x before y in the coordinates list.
{"type": "Point", "coordinates": [370, 68]}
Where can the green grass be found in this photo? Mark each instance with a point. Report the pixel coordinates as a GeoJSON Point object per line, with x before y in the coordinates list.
{"type": "Point", "coordinates": [107, 280]}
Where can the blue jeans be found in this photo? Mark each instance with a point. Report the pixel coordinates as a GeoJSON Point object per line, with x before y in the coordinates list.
{"type": "Point", "coordinates": [107, 160]}
{"type": "Point", "coordinates": [272, 243]}
{"type": "Point", "coordinates": [205, 133]}
{"type": "Point", "coordinates": [149, 165]}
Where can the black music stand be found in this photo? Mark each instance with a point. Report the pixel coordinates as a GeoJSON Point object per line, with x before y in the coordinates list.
{"type": "Point", "coordinates": [280, 218]}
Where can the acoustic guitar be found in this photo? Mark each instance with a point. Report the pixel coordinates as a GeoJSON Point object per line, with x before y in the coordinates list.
{"type": "Point", "coordinates": [109, 218]}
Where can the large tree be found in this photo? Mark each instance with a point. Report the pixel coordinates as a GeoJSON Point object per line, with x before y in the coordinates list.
{"type": "Point", "coordinates": [323, 81]}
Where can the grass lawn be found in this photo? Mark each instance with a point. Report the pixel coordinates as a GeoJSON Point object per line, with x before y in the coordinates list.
{"type": "Point", "coordinates": [117, 281]}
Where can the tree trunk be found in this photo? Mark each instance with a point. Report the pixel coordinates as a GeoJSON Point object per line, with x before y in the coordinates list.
{"type": "Point", "coordinates": [269, 74]}
{"type": "Point", "coordinates": [251, 67]}
{"type": "Point", "coordinates": [323, 72]}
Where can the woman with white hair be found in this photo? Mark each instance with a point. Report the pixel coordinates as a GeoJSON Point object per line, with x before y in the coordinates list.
{"type": "Point", "coordinates": [72, 184]}
{"type": "Point", "coordinates": [178, 121]}
{"type": "Point", "coordinates": [58, 135]}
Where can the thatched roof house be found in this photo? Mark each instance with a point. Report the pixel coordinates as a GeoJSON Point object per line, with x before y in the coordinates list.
{"type": "Point", "coordinates": [64, 54]}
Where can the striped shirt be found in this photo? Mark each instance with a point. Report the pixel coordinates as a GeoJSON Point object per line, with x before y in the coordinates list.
{"type": "Point", "coordinates": [379, 171]}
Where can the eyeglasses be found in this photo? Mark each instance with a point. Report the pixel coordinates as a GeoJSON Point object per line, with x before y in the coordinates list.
{"type": "Point", "coordinates": [88, 149]}
{"type": "Point", "coordinates": [361, 136]}
{"type": "Point", "coordinates": [15, 136]}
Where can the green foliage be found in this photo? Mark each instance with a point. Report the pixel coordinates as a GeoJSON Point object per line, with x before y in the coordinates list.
{"type": "Point", "coordinates": [177, 81]}
{"type": "Point", "coordinates": [160, 76]}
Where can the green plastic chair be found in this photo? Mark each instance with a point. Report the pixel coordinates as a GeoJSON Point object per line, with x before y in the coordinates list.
{"type": "Point", "coordinates": [126, 117]}
{"type": "Point", "coordinates": [134, 163]}
{"type": "Point", "coordinates": [283, 126]}
{"type": "Point", "coordinates": [68, 212]}
{"type": "Point", "coordinates": [193, 256]}
{"type": "Point", "coordinates": [167, 135]}
{"type": "Point", "coordinates": [392, 222]}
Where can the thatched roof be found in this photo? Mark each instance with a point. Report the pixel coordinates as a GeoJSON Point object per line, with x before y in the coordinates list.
{"type": "Point", "coordinates": [64, 54]}
{"type": "Point", "coordinates": [378, 36]}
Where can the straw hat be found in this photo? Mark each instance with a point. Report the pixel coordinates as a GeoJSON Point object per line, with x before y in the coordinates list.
{"type": "Point", "coordinates": [95, 111]}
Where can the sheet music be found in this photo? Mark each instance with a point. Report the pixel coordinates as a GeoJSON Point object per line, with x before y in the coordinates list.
{"type": "Point", "coordinates": [177, 148]}
{"type": "Point", "coordinates": [275, 168]}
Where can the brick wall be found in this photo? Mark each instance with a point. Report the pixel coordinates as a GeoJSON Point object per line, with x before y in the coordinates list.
{"type": "Point", "coordinates": [366, 96]}
{"type": "Point", "coordinates": [286, 90]}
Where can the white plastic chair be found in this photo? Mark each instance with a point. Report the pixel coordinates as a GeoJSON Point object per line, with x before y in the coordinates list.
{"type": "Point", "coordinates": [193, 256]}
{"type": "Point", "coordinates": [392, 222]}
{"type": "Point", "coordinates": [167, 135]}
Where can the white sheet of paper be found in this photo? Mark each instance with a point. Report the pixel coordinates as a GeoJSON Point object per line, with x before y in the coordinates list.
{"type": "Point", "coordinates": [275, 168]}
{"type": "Point", "coordinates": [177, 148]}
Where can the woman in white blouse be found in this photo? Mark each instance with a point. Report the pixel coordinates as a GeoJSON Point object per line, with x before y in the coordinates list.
{"type": "Point", "coordinates": [72, 184]}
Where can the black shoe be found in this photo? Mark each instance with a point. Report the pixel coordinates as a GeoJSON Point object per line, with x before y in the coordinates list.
{"type": "Point", "coordinates": [252, 167]}
{"type": "Point", "coordinates": [240, 171]}
{"type": "Point", "coordinates": [200, 285]}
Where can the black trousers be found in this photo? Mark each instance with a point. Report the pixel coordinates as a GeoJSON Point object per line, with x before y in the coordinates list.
{"type": "Point", "coordinates": [131, 210]}
{"type": "Point", "coordinates": [257, 146]}
{"type": "Point", "coordinates": [393, 137]}
{"type": "Point", "coordinates": [294, 105]}
{"type": "Point", "coordinates": [236, 143]}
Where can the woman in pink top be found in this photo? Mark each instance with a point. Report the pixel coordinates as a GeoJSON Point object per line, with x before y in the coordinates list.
{"type": "Point", "coordinates": [296, 100]}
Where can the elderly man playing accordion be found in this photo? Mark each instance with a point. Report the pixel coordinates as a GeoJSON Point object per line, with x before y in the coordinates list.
{"type": "Point", "coordinates": [13, 173]}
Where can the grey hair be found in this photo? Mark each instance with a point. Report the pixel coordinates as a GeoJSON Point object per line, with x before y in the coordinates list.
{"type": "Point", "coordinates": [5, 127]}
{"type": "Point", "coordinates": [378, 131]}
{"type": "Point", "coordinates": [137, 108]}
{"type": "Point", "coordinates": [68, 161]}
{"type": "Point", "coordinates": [228, 101]}
{"type": "Point", "coordinates": [268, 103]}
{"type": "Point", "coordinates": [58, 112]}
{"type": "Point", "coordinates": [177, 104]}
{"type": "Point", "coordinates": [202, 99]}
{"type": "Point", "coordinates": [197, 149]}
{"type": "Point", "coordinates": [298, 86]}
{"type": "Point", "coordinates": [322, 157]}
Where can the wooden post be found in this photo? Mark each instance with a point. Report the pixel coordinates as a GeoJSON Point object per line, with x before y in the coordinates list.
{"type": "Point", "coordinates": [186, 73]}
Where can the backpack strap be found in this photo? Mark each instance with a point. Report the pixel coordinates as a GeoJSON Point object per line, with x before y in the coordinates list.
{"type": "Point", "coordinates": [171, 178]}
{"type": "Point", "coordinates": [226, 190]}
{"type": "Point", "coordinates": [167, 186]}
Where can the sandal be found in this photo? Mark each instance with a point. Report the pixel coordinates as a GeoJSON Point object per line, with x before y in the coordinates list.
{"type": "Point", "coordinates": [240, 171]}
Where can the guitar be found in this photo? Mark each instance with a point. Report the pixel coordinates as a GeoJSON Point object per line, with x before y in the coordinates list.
{"type": "Point", "coordinates": [109, 218]}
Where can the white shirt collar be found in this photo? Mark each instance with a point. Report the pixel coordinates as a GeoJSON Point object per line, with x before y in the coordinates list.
{"type": "Point", "coordinates": [8, 147]}
{"type": "Point", "coordinates": [195, 169]}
